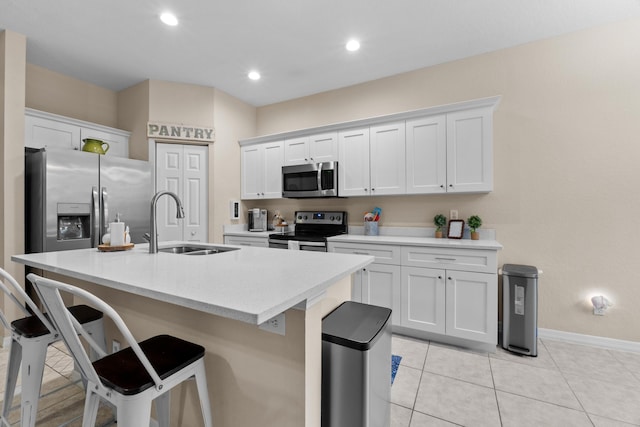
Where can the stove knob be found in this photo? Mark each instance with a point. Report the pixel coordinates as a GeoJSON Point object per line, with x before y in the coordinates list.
{"type": "Point", "coordinates": [338, 218]}
{"type": "Point", "coordinates": [299, 217]}
{"type": "Point", "coordinates": [305, 217]}
{"type": "Point", "coordinates": [332, 218]}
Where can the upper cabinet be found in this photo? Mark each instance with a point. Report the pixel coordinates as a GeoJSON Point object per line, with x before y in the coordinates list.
{"type": "Point", "coordinates": [46, 130]}
{"type": "Point", "coordinates": [372, 160]}
{"type": "Point", "coordinates": [450, 153]}
{"type": "Point", "coordinates": [311, 149]}
{"type": "Point", "coordinates": [262, 170]}
{"type": "Point", "coordinates": [443, 149]}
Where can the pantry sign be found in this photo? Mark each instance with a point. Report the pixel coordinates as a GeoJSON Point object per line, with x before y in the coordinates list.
{"type": "Point", "coordinates": [180, 132]}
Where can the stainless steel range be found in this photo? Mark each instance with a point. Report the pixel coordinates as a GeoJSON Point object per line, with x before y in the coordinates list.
{"type": "Point", "coordinates": [311, 231]}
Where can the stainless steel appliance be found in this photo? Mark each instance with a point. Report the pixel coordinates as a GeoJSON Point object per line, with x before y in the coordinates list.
{"type": "Point", "coordinates": [71, 196]}
{"type": "Point", "coordinates": [311, 231]}
{"type": "Point", "coordinates": [257, 219]}
{"type": "Point", "coordinates": [310, 180]}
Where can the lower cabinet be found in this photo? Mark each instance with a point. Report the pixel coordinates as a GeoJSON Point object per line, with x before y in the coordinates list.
{"type": "Point", "coordinates": [459, 304]}
{"type": "Point", "coordinates": [377, 284]}
{"type": "Point", "coordinates": [434, 292]}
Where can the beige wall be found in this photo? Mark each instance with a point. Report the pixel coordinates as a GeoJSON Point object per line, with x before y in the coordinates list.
{"type": "Point", "coordinates": [12, 81]}
{"type": "Point", "coordinates": [59, 94]}
{"type": "Point", "coordinates": [133, 115]}
{"type": "Point", "coordinates": [566, 163]}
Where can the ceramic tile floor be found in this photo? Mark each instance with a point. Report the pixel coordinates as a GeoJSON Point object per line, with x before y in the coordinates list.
{"type": "Point", "coordinates": [566, 385]}
{"type": "Point", "coordinates": [437, 385]}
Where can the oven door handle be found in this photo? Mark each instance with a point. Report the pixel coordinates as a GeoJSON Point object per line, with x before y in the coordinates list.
{"type": "Point", "coordinates": [320, 177]}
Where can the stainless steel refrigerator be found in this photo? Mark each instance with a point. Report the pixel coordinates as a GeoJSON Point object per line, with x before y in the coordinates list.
{"type": "Point", "coordinates": [71, 196]}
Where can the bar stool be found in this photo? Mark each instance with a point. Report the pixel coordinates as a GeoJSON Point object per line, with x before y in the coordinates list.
{"type": "Point", "coordinates": [30, 338]}
{"type": "Point", "coordinates": [133, 377]}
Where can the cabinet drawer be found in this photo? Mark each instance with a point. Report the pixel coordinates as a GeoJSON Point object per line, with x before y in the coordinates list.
{"type": "Point", "coordinates": [483, 261]}
{"type": "Point", "coordinates": [384, 254]}
{"type": "Point", "coordinates": [247, 241]}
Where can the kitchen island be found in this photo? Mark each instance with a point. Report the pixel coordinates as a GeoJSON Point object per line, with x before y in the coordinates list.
{"type": "Point", "coordinates": [255, 377]}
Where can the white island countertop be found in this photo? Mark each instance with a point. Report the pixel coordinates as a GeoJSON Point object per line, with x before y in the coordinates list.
{"type": "Point", "coordinates": [250, 284]}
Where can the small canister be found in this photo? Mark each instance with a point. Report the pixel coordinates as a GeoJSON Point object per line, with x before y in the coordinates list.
{"type": "Point", "coordinates": [117, 233]}
{"type": "Point", "coordinates": [371, 228]}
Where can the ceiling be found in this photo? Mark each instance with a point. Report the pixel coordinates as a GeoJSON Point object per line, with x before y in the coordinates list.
{"type": "Point", "coordinates": [298, 45]}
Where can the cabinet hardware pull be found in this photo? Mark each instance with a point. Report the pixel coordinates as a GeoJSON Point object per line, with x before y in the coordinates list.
{"type": "Point", "coordinates": [445, 259]}
{"type": "Point", "coordinates": [441, 186]}
{"type": "Point", "coordinates": [366, 189]}
{"type": "Point", "coordinates": [373, 189]}
{"type": "Point", "coordinates": [449, 278]}
{"type": "Point", "coordinates": [439, 277]}
{"type": "Point", "coordinates": [361, 253]}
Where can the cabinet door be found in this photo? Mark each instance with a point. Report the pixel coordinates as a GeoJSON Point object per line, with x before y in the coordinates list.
{"type": "Point", "coordinates": [252, 160]}
{"type": "Point", "coordinates": [272, 170]}
{"type": "Point", "coordinates": [387, 158]}
{"type": "Point", "coordinates": [323, 147]}
{"type": "Point", "coordinates": [426, 140]}
{"type": "Point", "coordinates": [381, 287]}
{"type": "Point", "coordinates": [472, 306]}
{"type": "Point", "coordinates": [469, 151]}
{"type": "Point", "coordinates": [296, 151]}
{"type": "Point", "coordinates": [353, 167]}
{"type": "Point", "coordinates": [45, 133]}
{"type": "Point", "coordinates": [423, 299]}
{"type": "Point", "coordinates": [118, 144]}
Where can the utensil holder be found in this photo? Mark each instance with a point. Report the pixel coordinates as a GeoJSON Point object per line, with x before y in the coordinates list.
{"type": "Point", "coordinates": [370, 228]}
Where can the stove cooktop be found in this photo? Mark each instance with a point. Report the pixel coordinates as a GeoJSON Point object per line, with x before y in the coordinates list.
{"type": "Point", "coordinates": [315, 226]}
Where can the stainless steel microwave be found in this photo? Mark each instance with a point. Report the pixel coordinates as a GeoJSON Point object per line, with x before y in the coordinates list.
{"type": "Point", "coordinates": [310, 180]}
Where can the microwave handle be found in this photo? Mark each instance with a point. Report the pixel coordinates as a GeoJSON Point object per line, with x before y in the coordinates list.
{"type": "Point", "coordinates": [320, 176]}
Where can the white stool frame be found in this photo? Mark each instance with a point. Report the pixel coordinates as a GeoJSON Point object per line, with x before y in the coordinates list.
{"type": "Point", "coordinates": [31, 353]}
{"type": "Point", "coordinates": [132, 410]}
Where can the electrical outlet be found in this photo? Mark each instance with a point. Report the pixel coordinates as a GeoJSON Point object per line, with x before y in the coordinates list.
{"type": "Point", "coordinates": [275, 325]}
{"type": "Point", "coordinates": [453, 214]}
{"type": "Point", "coordinates": [115, 346]}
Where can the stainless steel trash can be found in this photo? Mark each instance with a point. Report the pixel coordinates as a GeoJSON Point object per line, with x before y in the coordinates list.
{"type": "Point", "coordinates": [356, 366]}
{"type": "Point", "coordinates": [520, 309]}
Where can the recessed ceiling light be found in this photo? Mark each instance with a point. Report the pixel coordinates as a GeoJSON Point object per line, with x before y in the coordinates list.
{"type": "Point", "coordinates": [169, 19]}
{"type": "Point", "coordinates": [353, 45]}
{"type": "Point", "coordinates": [254, 75]}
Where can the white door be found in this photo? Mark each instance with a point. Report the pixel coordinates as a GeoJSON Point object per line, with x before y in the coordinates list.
{"type": "Point", "coordinates": [426, 155]}
{"type": "Point", "coordinates": [387, 153]}
{"type": "Point", "coordinates": [423, 299]}
{"type": "Point", "coordinates": [469, 151]}
{"type": "Point", "coordinates": [182, 169]}
{"type": "Point", "coordinates": [353, 167]}
{"type": "Point", "coordinates": [381, 287]}
{"type": "Point", "coordinates": [472, 305]}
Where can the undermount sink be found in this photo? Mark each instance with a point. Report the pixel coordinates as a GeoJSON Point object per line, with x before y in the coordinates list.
{"type": "Point", "coordinates": [196, 250]}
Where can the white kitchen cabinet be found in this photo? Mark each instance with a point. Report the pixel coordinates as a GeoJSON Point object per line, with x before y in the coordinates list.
{"type": "Point", "coordinates": [450, 291]}
{"type": "Point", "coordinates": [450, 153]}
{"type": "Point", "coordinates": [387, 159]}
{"type": "Point", "coordinates": [423, 301]}
{"type": "Point", "coordinates": [311, 149]}
{"type": "Point", "coordinates": [261, 242]}
{"type": "Point", "coordinates": [353, 167]}
{"type": "Point", "coordinates": [262, 170]}
{"type": "Point", "coordinates": [470, 151]}
{"type": "Point", "coordinates": [372, 161]}
{"type": "Point", "coordinates": [47, 130]}
{"type": "Point", "coordinates": [426, 165]}
{"type": "Point", "coordinates": [379, 282]}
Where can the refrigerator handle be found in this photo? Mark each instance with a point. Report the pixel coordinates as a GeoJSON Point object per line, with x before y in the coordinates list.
{"type": "Point", "coordinates": [105, 209]}
{"type": "Point", "coordinates": [95, 207]}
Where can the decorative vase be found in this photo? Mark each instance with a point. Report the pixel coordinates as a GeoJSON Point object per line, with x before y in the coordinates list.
{"type": "Point", "coordinates": [475, 235]}
{"type": "Point", "coordinates": [438, 234]}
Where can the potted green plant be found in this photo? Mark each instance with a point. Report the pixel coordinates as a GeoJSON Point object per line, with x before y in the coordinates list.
{"type": "Point", "coordinates": [474, 223]}
{"type": "Point", "coordinates": [439, 221]}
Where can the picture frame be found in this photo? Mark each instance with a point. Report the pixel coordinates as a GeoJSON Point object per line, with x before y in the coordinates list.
{"type": "Point", "coordinates": [456, 228]}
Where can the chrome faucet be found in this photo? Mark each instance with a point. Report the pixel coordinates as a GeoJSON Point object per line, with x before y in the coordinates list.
{"type": "Point", "coordinates": [153, 235]}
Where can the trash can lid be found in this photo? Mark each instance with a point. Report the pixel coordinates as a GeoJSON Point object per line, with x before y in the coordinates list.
{"type": "Point", "coordinates": [355, 325]}
{"type": "Point", "coordinates": [519, 270]}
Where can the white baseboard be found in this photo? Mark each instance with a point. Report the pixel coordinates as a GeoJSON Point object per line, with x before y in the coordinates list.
{"type": "Point", "coordinates": [592, 340]}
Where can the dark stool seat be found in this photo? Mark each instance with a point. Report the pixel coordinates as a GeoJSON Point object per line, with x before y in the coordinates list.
{"type": "Point", "coordinates": [32, 327]}
{"type": "Point", "coordinates": [124, 372]}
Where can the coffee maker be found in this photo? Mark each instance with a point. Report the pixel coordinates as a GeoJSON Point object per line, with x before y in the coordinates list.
{"type": "Point", "coordinates": [257, 219]}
